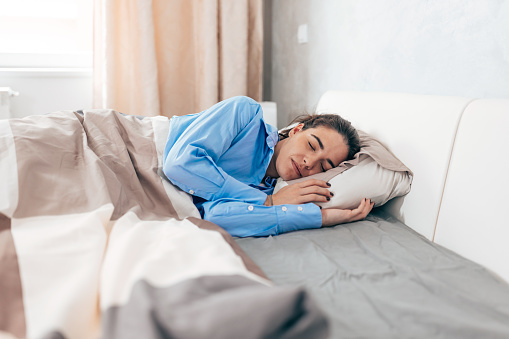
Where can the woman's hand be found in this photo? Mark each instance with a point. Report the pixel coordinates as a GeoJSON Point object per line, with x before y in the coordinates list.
{"type": "Point", "coordinates": [334, 216]}
{"type": "Point", "coordinates": [312, 190]}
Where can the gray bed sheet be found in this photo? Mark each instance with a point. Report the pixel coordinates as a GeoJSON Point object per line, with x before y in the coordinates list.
{"type": "Point", "coordinates": [377, 278]}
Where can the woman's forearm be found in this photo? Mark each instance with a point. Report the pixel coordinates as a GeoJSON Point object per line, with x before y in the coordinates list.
{"type": "Point", "coordinates": [334, 216]}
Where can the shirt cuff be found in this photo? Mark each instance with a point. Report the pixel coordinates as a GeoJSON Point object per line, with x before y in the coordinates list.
{"type": "Point", "coordinates": [298, 217]}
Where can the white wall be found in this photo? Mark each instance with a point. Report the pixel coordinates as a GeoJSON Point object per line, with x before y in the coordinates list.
{"type": "Point", "coordinates": [46, 54]}
{"type": "Point", "coordinates": [453, 47]}
{"type": "Point", "coordinates": [42, 91]}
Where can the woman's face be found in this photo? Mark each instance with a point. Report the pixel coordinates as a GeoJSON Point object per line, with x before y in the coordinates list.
{"type": "Point", "coordinates": [310, 151]}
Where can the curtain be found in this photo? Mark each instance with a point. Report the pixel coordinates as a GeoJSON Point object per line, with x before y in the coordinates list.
{"type": "Point", "coordinates": [174, 57]}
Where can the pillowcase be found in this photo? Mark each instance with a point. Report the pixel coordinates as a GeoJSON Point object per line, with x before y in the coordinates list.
{"type": "Point", "coordinates": [374, 173]}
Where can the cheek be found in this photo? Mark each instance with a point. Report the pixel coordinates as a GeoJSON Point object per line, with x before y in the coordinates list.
{"type": "Point", "coordinates": [279, 164]}
{"type": "Point", "coordinates": [283, 169]}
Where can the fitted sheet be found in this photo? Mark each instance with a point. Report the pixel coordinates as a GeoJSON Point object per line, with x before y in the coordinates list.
{"type": "Point", "coordinates": [377, 278]}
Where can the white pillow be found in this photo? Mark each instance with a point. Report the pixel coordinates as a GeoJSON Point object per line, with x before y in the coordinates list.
{"type": "Point", "coordinates": [367, 179]}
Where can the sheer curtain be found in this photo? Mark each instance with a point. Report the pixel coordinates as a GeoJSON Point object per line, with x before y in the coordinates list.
{"type": "Point", "coordinates": [174, 57]}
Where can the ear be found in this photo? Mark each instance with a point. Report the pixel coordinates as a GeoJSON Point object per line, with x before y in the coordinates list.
{"type": "Point", "coordinates": [295, 129]}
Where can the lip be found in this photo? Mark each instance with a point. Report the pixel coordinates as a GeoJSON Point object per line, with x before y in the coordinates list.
{"type": "Point", "coordinates": [296, 169]}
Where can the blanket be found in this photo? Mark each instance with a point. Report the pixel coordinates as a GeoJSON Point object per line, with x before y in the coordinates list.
{"type": "Point", "coordinates": [95, 243]}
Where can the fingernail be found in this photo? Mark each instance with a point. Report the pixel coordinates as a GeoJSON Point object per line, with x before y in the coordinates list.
{"type": "Point", "coordinates": [328, 184]}
{"type": "Point", "coordinates": [328, 198]}
{"type": "Point", "coordinates": [332, 194]}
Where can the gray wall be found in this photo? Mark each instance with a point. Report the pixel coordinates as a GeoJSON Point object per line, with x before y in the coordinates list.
{"type": "Point", "coordinates": [441, 47]}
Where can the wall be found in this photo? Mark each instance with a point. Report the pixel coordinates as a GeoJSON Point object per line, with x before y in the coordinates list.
{"type": "Point", "coordinates": [46, 54]}
{"type": "Point", "coordinates": [43, 91]}
{"type": "Point", "coordinates": [454, 47]}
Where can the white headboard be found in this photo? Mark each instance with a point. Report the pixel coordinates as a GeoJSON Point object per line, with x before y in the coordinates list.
{"type": "Point", "coordinates": [419, 130]}
{"type": "Point", "coordinates": [473, 218]}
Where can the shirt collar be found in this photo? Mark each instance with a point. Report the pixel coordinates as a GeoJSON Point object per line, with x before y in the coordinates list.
{"type": "Point", "coordinates": [270, 181]}
{"type": "Point", "coordinates": [272, 136]}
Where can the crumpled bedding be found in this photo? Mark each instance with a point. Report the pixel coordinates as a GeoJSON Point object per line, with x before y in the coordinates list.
{"type": "Point", "coordinates": [377, 278]}
{"type": "Point", "coordinates": [94, 243]}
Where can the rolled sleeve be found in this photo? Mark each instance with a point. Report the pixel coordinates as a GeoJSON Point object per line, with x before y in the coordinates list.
{"type": "Point", "coordinates": [298, 217]}
{"type": "Point", "coordinates": [242, 219]}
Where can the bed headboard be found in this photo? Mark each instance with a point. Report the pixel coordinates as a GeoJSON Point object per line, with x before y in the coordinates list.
{"type": "Point", "coordinates": [419, 130]}
{"type": "Point", "coordinates": [457, 149]}
{"type": "Point", "coordinates": [473, 217]}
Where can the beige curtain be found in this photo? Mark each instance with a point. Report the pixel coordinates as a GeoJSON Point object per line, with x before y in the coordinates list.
{"type": "Point", "coordinates": [174, 57]}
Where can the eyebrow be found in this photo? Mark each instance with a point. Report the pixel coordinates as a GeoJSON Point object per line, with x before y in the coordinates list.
{"type": "Point", "coordinates": [319, 141]}
{"type": "Point", "coordinates": [321, 147]}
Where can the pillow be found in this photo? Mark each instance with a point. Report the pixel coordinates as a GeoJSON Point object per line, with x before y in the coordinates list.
{"type": "Point", "coordinates": [374, 173]}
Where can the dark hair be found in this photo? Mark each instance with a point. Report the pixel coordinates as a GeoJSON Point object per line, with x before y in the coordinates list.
{"type": "Point", "coordinates": [333, 121]}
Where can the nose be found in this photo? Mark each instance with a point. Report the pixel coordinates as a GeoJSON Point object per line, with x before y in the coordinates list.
{"type": "Point", "coordinates": [306, 163]}
{"type": "Point", "coordinates": [310, 163]}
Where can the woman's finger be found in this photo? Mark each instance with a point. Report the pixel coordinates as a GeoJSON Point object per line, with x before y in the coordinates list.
{"type": "Point", "coordinates": [314, 182]}
{"type": "Point", "coordinates": [370, 207]}
{"type": "Point", "coordinates": [363, 210]}
{"type": "Point", "coordinates": [360, 207]}
{"type": "Point", "coordinates": [358, 211]}
{"type": "Point", "coordinates": [313, 198]}
{"type": "Point", "coordinates": [316, 190]}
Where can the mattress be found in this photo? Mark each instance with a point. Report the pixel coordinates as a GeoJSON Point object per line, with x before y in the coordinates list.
{"type": "Point", "coordinates": [377, 278]}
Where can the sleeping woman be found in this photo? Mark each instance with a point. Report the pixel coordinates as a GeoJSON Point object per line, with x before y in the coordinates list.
{"type": "Point", "coordinates": [229, 160]}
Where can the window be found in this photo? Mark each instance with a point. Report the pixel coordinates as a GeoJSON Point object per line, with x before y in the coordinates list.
{"type": "Point", "coordinates": [49, 33]}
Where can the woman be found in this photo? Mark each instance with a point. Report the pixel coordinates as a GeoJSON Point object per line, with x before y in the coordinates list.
{"type": "Point", "coordinates": [228, 159]}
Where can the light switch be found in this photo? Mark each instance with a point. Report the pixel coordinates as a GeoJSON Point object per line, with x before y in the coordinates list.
{"type": "Point", "coordinates": [302, 34]}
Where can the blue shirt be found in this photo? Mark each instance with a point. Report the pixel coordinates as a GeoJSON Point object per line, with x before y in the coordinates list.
{"type": "Point", "coordinates": [220, 156]}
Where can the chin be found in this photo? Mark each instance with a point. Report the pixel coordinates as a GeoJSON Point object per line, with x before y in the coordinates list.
{"type": "Point", "coordinates": [284, 176]}
{"type": "Point", "coordinates": [289, 176]}
{"type": "Point", "coordinates": [287, 173]}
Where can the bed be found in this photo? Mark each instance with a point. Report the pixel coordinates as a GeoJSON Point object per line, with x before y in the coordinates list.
{"type": "Point", "coordinates": [378, 278]}
{"type": "Point", "coordinates": [432, 263]}
{"type": "Point", "coordinates": [95, 243]}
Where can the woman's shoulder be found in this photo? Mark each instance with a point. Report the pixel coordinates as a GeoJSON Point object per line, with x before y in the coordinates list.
{"type": "Point", "coordinates": [243, 109]}
{"type": "Point", "coordinates": [245, 103]}
{"type": "Point", "coordinates": [242, 99]}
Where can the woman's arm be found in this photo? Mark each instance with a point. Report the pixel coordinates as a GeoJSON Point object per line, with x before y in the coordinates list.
{"type": "Point", "coordinates": [242, 219]}
{"type": "Point", "coordinates": [291, 211]}
{"type": "Point", "coordinates": [314, 190]}
{"type": "Point", "coordinates": [334, 216]}
{"type": "Point", "coordinates": [191, 161]}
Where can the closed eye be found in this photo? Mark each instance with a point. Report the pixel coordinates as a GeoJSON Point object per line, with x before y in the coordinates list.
{"type": "Point", "coordinates": [311, 146]}
{"type": "Point", "coordinates": [323, 169]}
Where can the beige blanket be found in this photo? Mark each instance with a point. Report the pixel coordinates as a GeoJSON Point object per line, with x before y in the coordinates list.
{"type": "Point", "coordinates": [94, 243]}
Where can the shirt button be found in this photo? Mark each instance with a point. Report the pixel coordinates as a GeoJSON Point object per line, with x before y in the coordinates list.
{"type": "Point", "coordinates": [250, 208]}
{"type": "Point", "coordinates": [191, 192]}
{"type": "Point", "coordinates": [299, 208]}
{"type": "Point", "coordinates": [284, 208]}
